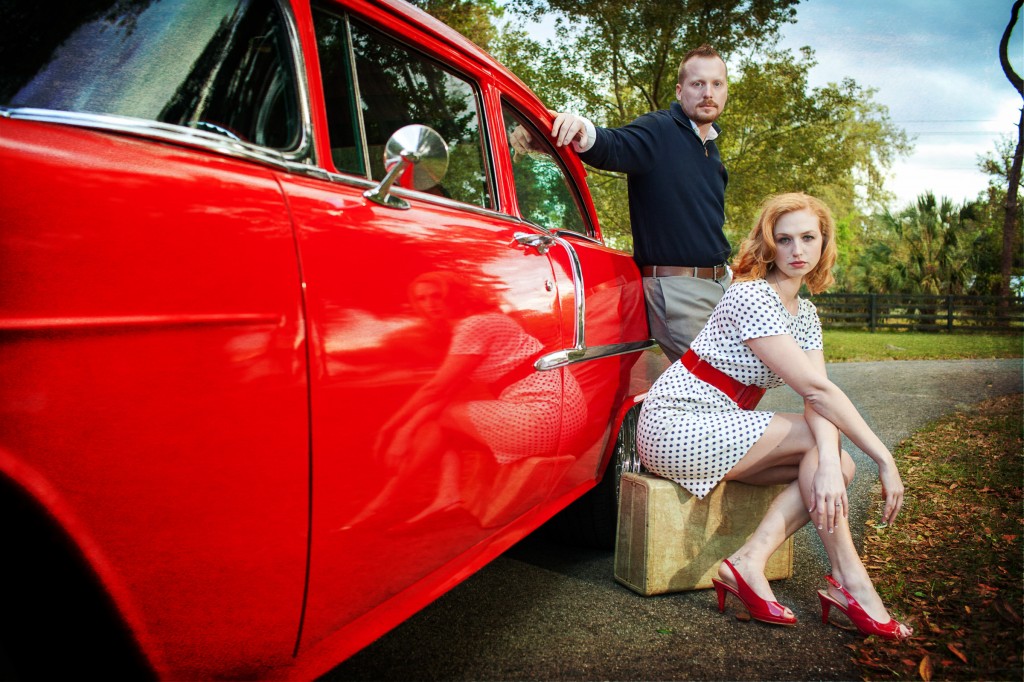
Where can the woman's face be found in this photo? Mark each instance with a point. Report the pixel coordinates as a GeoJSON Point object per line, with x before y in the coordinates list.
{"type": "Point", "coordinates": [428, 299]}
{"type": "Point", "coordinates": [798, 243]}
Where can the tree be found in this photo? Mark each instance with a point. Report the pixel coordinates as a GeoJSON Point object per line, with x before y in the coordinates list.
{"type": "Point", "coordinates": [926, 248]}
{"type": "Point", "coordinates": [780, 135]}
{"type": "Point", "coordinates": [990, 210]}
{"type": "Point", "coordinates": [632, 48]}
{"type": "Point", "coordinates": [1013, 176]}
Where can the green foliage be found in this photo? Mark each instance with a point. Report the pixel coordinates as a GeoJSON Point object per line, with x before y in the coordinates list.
{"type": "Point", "coordinates": [860, 346]}
{"type": "Point", "coordinates": [475, 19]}
{"type": "Point", "coordinates": [613, 60]}
{"type": "Point", "coordinates": [632, 49]}
{"type": "Point", "coordinates": [780, 136]}
{"type": "Point", "coordinates": [931, 245]}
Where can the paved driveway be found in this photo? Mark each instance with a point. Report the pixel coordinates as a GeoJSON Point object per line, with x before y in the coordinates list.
{"type": "Point", "coordinates": [541, 612]}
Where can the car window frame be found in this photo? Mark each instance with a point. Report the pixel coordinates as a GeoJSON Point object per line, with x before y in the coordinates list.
{"type": "Point", "coordinates": [570, 179]}
{"type": "Point", "coordinates": [488, 166]}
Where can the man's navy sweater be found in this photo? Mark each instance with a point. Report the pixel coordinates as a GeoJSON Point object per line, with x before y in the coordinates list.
{"type": "Point", "coordinates": [676, 188]}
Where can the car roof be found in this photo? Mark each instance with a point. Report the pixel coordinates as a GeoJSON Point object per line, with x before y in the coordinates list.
{"type": "Point", "coordinates": [430, 24]}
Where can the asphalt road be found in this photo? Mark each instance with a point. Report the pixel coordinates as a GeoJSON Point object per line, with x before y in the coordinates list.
{"type": "Point", "coordinates": [546, 612]}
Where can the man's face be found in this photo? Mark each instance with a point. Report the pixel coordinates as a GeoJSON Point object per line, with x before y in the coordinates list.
{"type": "Point", "coordinates": [704, 91]}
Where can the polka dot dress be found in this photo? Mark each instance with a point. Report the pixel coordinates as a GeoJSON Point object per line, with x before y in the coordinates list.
{"type": "Point", "coordinates": [526, 415]}
{"type": "Point", "coordinates": [693, 433]}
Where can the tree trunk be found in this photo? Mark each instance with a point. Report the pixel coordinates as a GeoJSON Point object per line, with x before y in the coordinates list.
{"type": "Point", "coordinates": [1013, 177]}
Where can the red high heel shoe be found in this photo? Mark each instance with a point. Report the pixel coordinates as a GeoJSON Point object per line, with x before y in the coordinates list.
{"type": "Point", "coordinates": [759, 609]}
{"type": "Point", "coordinates": [857, 615]}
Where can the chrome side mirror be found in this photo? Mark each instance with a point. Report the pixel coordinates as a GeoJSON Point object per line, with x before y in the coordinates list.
{"type": "Point", "coordinates": [416, 152]}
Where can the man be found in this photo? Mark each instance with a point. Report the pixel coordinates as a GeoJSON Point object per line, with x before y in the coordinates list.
{"type": "Point", "coordinates": [676, 184]}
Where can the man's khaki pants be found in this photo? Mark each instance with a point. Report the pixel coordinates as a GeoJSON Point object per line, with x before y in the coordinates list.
{"type": "Point", "coordinates": [679, 307]}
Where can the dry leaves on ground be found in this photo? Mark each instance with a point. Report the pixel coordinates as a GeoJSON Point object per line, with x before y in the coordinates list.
{"type": "Point", "coordinates": [951, 566]}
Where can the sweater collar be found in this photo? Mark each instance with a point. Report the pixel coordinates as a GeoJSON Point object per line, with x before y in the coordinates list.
{"type": "Point", "coordinates": [677, 113]}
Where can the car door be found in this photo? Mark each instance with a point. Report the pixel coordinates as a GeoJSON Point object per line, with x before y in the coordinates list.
{"type": "Point", "coordinates": [432, 429]}
{"type": "Point", "coordinates": [603, 311]}
{"type": "Point", "coordinates": [154, 392]}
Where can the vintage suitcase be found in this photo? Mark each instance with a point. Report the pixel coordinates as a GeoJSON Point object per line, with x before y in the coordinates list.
{"type": "Point", "coordinates": [669, 541]}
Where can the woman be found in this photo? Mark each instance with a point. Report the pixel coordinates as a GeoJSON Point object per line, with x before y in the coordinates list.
{"type": "Point", "coordinates": [698, 426]}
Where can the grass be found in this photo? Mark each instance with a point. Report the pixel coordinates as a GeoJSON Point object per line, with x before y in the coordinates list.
{"type": "Point", "coordinates": [862, 346]}
{"type": "Point", "coordinates": [953, 564]}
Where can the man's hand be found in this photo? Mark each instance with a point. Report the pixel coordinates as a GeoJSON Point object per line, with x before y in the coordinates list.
{"type": "Point", "coordinates": [568, 129]}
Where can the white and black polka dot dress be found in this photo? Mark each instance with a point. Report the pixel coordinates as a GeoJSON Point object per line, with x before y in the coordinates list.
{"type": "Point", "coordinates": [693, 433]}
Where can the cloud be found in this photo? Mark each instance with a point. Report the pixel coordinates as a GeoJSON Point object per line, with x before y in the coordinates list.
{"type": "Point", "coordinates": [935, 65]}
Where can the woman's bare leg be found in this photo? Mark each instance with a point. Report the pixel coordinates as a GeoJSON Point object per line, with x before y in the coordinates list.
{"type": "Point", "coordinates": [786, 515]}
{"type": "Point", "coordinates": [847, 568]}
{"type": "Point", "coordinates": [774, 459]}
{"type": "Point", "coordinates": [779, 456]}
{"type": "Point", "coordinates": [776, 456]}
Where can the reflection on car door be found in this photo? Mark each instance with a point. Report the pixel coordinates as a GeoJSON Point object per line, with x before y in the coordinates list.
{"type": "Point", "coordinates": [392, 297]}
{"type": "Point", "coordinates": [602, 302]}
{"type": "Point", "coordinates": [431, 427]}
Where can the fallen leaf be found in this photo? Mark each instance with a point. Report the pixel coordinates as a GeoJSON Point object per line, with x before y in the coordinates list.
{"type": "Point", "coordinates": [743, 616]}
{"type": "Point", "coordinates": [924, 669]}
{"type": "Point", "coordinates": [956, 652]}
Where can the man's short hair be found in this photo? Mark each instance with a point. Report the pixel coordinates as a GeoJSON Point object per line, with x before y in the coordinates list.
{"type": "Point", "coordinates": [704, 50]}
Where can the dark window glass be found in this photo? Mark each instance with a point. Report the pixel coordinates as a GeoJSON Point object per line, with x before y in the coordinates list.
{"type": "Point", "coordinates": [218, 65]}
{"type": "Point", "coordinates": [339, 93]}
{"type": "Point", "coordinates": [398, 87]}
{"type": "Point", "coordinates": [544, 191]}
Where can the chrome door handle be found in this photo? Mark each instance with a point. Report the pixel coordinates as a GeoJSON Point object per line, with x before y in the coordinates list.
{"type": "Point", "coordinates": [541, 242]}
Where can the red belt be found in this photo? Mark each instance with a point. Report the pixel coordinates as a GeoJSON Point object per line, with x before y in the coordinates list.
{"type": "Point", "coordinates": [715, 272]}
{"type": "Point", "coordinates": [747, 397]}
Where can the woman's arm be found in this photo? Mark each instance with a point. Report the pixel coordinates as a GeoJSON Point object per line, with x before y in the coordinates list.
{"type": "Point", "coordinates": [784, 357]}
{"type": "Point", "coordinates": [427, 402]}
{"type": "Point", "coordinates": [828, 492]}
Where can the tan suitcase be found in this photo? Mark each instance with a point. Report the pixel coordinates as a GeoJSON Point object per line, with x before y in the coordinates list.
{"type": "Point", "coordinates": [669, 541]}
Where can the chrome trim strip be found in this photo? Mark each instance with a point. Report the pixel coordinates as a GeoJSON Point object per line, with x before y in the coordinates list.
{"type": "Point", "coordinates": [305, 152]}
{"type": "Point", "coordinates": [579, 336]}
{"type": "Point", "coordinates": [164, 132]}
{"type": "Point", "coordinates": [357, 94]}
{"type": "Point", "coordinates": [579, 352]}
{"type": "Point", "coordinates": [563, 358]}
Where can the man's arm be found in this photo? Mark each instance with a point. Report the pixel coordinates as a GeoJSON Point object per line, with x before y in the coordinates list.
{"type": "Point", "coordinates": [566, 129]}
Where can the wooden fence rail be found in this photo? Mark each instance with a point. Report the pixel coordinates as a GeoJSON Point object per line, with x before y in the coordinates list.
{"type": "Point", "coordinates": [915, 312]}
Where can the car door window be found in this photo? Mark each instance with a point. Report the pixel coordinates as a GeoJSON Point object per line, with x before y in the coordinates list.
{"type": "Point", "coordinates": [543, 190]}
{"type": "Point", "coordinates": [222, 66]}
{"type": "Point", "coordinates": [396, 86]}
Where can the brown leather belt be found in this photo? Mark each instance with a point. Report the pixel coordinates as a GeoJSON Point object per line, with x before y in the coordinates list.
{"type": "Point", "coordinates": [716, 272]}
{"type": "Point", "coordinates": [747, 397]}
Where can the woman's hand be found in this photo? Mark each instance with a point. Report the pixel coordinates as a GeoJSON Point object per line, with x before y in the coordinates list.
{"type": "Point", "coordinates": [892, 490]}
{"type": "Point", "coordinates": [829, 502]}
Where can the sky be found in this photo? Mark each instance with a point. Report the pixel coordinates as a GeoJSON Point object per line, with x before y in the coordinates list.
{"type": "Point", "coordinates": [935, 65]}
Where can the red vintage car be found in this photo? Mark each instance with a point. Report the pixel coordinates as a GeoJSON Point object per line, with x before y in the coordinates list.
{"type": "Point", "coordinates": [291, 342]}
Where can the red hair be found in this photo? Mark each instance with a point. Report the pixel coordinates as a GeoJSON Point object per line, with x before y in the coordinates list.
{"type": "Point", "coordinates": [756, 257]}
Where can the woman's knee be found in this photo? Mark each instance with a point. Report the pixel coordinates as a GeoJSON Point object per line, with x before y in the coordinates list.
{"type": "Point", "coordinates": [848, 466]}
